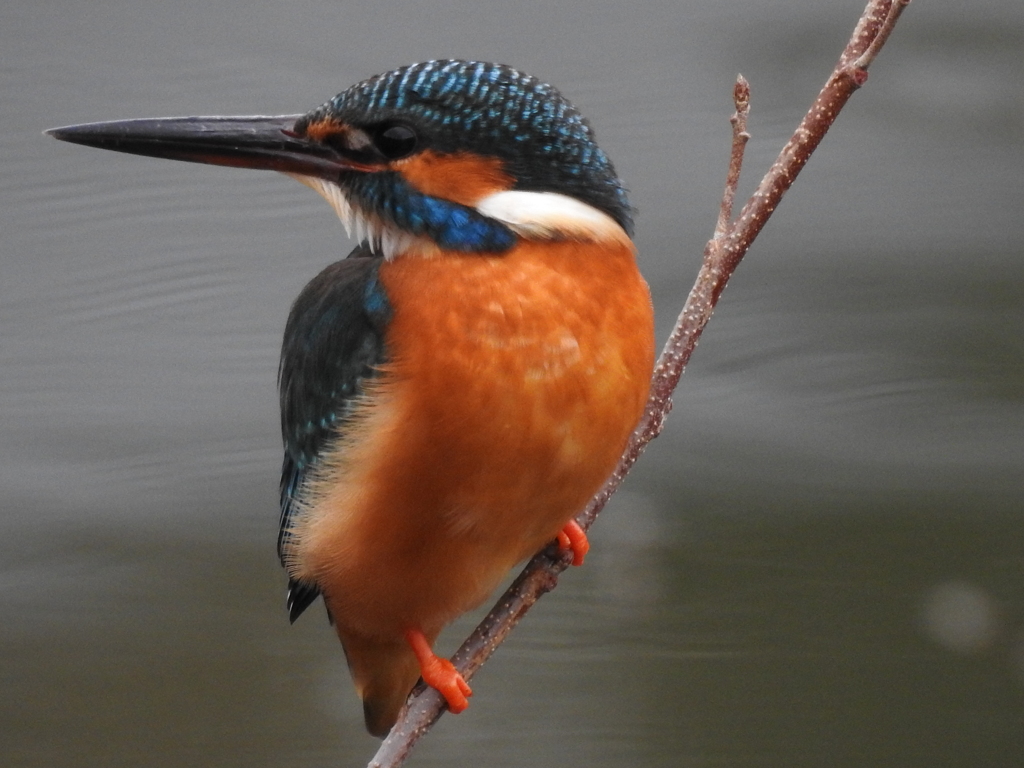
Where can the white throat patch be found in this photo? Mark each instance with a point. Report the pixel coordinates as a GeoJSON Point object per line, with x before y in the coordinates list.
{"type": "Point", "coordinates": [379, 237]}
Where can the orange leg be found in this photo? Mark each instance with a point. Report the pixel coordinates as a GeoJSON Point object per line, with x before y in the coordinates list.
{"type": "Point", "coordinates": [439, 673]}
{"type": "Point", "coordinates": [575, 538]}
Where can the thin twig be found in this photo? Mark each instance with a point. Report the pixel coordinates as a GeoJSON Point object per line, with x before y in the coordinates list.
{"type": "Point", "coordinates": [721, 257]}
{"type": "Point", "coordinates": [892, 16]}
{"type": "Point", "coordinates": [741, 98]}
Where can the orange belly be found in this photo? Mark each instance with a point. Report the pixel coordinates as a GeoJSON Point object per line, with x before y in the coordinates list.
{"type": "Point", "coordinates": [512, 385]}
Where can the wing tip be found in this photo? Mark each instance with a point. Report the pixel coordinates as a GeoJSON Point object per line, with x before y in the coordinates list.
{"type": "Point", "coordinates": [300, 596]}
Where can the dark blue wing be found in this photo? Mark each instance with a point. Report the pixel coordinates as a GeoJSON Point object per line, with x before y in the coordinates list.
{"type": "Point", "coordinates": [333, 343]}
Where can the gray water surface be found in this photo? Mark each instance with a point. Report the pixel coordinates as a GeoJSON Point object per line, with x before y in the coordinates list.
{"type": "Point", "coordinates": [819, 563]}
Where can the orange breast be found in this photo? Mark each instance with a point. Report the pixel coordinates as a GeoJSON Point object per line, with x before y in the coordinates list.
{"type": "Point", "coordinates": [512, 386]}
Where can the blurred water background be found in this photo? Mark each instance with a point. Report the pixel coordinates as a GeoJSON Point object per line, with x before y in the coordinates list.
{"type": "Point", "coordinates": [820, 562]}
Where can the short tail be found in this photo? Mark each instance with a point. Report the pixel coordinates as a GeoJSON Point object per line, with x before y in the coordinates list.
{"type": "Point", "coordinates": [384, 673]}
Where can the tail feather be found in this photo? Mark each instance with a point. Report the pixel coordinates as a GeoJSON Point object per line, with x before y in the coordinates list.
{"type": "Point", "coordinates": [384, 673]}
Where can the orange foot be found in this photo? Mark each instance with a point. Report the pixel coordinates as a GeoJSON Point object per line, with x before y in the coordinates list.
{"type": "Point", "coordinates": [439, 673]}
{"type": "Point", "coordinates": [575, 538]}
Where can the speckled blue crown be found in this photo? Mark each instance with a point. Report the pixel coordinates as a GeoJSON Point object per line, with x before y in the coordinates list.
{"type": "Point", "coordinates": [494, 110]}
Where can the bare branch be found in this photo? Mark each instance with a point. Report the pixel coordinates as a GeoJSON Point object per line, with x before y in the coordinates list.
{"type": "Point", "coordinates": [722, 254]}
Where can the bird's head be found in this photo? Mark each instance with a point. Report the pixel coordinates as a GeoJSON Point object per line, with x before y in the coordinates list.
{"type": "Point", "coordinates": [461, 155]}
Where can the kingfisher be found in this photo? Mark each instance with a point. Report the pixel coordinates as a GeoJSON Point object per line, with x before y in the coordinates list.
{"type": "Point", "coordinates": [455, 389]}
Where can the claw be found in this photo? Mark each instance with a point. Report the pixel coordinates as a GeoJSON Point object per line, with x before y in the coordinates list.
{"type": "Point", "coordinates": [573, 537]}
{"type": "Point", "coordinates": [439, 673]}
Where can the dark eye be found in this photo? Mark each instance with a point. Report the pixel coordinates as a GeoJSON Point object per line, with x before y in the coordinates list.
{"type": "Point", "coordinates": [395, 141]}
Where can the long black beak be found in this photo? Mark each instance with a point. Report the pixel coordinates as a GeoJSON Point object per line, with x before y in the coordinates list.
{"type": "Point", "coordinates": [267, 143]}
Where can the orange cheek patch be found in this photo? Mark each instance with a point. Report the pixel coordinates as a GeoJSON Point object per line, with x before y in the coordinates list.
{"type": "Point", "coordinates": [460, 177]}
{"type": "Point", "coordinates": [321, 129]}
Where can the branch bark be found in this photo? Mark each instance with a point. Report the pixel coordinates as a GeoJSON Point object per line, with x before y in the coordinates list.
{"type": "Point", "coordinates": [731, 240]}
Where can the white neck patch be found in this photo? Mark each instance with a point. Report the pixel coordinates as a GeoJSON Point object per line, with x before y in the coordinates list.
{"type": "Point", "coordinates": [551, 216]}
{"type": "Point", "coordinates": [531, 215]}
